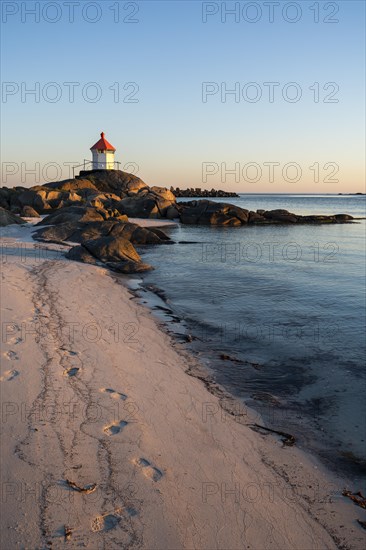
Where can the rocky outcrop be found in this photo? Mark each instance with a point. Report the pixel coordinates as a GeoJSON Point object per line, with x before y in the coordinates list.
{"type": "Point", "coordinates": [78, 232]}
{"type": "Point", "coordinates": [116, 252]}
{"type": "Point", "coordinates": [198, 192]}
{"type": "Point", "coordinates": [145, 205]}
{"type": "Point", "coordinates": [80, 214]}
{"type": "Point", "coordinates": [112, 249]}
{"type": "Point", "coordinates": [280, 216]}
{"type": "Point", "coordinates": [114, 181]}
{"type": "Point", "coordinates": [101, 189]}
{"type": "Point", "coordinates": [80, 254]}
{"type": "Point", "coordinates": [98, 195]}
{"type": "Point", "coordinates": [74, 184]}
{"type": "Point", "coordinates": [204, 212]}
{"type": "Point", "coordinates": [108, 242]}
{"type": "Point", "coordinates": [7, 218]}
{"type": "Point", "coordinates": [29, 212]}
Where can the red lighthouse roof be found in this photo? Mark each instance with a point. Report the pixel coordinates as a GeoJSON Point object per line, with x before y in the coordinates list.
{"type": "Point", "coordinates": [103, 144]}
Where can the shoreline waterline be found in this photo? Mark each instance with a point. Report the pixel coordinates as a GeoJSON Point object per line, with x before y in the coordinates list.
{"type": "Point", "coordinates": [268, 411]}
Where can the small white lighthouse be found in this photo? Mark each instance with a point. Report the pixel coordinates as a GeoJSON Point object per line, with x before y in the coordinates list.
{"type": "Point", "coordinates": [103, 154]}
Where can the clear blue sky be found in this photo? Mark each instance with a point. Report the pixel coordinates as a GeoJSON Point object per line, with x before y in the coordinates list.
{"type": "Point", "coordinates": [170, 132]}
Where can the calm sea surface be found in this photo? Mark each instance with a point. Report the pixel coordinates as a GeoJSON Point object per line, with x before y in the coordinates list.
{"type": "Point", "coordinates": [288, 302]}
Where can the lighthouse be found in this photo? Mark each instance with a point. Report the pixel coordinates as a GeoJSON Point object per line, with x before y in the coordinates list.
{"type": "Point", "coordinates": [103, 154]}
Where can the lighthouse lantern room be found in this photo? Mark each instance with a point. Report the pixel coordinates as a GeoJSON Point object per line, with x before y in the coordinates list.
{"type": "Point", "coordinates": [103, 154]}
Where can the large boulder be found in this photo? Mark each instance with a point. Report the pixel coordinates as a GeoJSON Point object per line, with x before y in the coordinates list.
{"type": "Point", "coordinates": [113, 190]}
{"type": "Point", "coordinates": [78, 232]}
{"type": "Point", "coordinates": [147, 204]}
{"type": "Point", "coordinates": [5, 194]}
{"type": "Point", "coordinates": [41, 205]}
{"type": "Point", "coordinates": [114, 181]}
{"type": "Point", "coordinates": [74, 184]}
{"type": "Point", "coordinates": [7, 218]}
{"type": "Point", "coordinates": [112, 249]}
{"type": "Point", "coordinates": [29, 212]}
{"type": "Point", "coordinates": [138, 207]}
{"type": "Point", "coordinates": [138, 235]}
{"type": "Point", "coordinates": [75, 214]}
{"type": "Point", "coordinates": [163, 192]}
{"type": "Point", "coordinates": [80, 254]}
{"type": "Point", "coordinates": [280, 216]}
{"type": "Point", "coordinates": [116, 253]}
{"type": "Point", "coordinates": [57, 233]}
{"type": "Point", "coordinates": [205, 212]}
{"type": "Point", "coordinates": [127, 266]}
{"type": "Point", "coordinates": [172, 212]}
{"type": "Point", "coordinates": [27, 197]}
{"type": "Point", "coordinates": [255, 217]}
{"type": "Point", "coordinates": [43, 198]}
{"type": "Point", "coordinates": [191, 212]}
{"type": "Point", "coordinates": [103, 200]}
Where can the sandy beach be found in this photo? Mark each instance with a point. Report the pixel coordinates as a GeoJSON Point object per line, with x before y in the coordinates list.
{"type": "Point", "coordinates": [107, 442]}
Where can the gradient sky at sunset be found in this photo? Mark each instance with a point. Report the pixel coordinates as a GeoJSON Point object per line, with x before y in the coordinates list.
{"type": "Point", "coordinates": [170, 132]}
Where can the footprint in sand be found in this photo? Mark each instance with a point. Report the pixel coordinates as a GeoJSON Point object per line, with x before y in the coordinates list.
{"type": "Point", "coordinates": [9, 375]}
{"type": "Point", "coordinates": [71, 372]}
{"type": "Point", "coordinates": [115, 428]}
{"type": "Point", "coordinates": [148, 470]}
{"type": "Point", "coordinates": [105, 522]}
{"type": "Point", "coordinates": [69, 352]}
{"type": "Point", "coordinates": [113, 393]}
{"type": "Point", "coordinates": [11, 355]}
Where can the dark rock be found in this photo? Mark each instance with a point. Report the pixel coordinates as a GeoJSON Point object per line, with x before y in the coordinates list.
{"type": "Point", "coordinates": [116, 253]}
{"type": "Point", "coordinates": [29, 212]}
{"type": "Point", "coordinates": [255, 217]}
{"type": "Point", "coordinates": [74, 214]}
{"type": "Point", "coordinates": [41, 204]}
{"type": "Point", "coordinates": [103, 200]}
{"type": "Point", "coordinates": [7, 218]}
{"type": "Point", "coordinates": [146, 205]}
{"type": "Point", "coordinates": [206, 212]}
{"type": "Point", "coordinates": [14, 202]}
{"type": "Point", "coordinates": [162, 236]}
{"type": "Point", "coordinates": [4, 198]}
{"type": "Point", "coordinates": [280, 216]}
{"type": "Point", "coordinates": [75, 184]}
{"type": "Point", "coordinates": [172, 212]}
{"type": "Point", "coordinates": [15, 209]}
{"type": "Point", "coordinates": [190, 212]}
{"type": "Point", "coordinates": [57, 233]}
{"type": "Point", "coordinates": [139, 207]}
{"type": "Point", "coordinates": [163, 193]}
{"type": "Point", "coordinates": [129, 267]}
{"type": "Point", "coordinates": [198, 192]}
{"type": "Point", "coordinates": [136, 234]}
{"type": "Point", "coordinates": [80, 254]}
{"type": "Point", "coordinates": [112, 249]}
{"type": "Point", "coordinates": [79, 232]}
{"type": "Point", "coordinates": [114, 181]}
{"type": "Point", "coordinates": [343, 217]}
{"type": "Point", "coordinates": [316, 219]}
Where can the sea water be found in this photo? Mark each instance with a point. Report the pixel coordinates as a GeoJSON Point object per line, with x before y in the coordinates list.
{"type": "Point", "coordinates": [278, 313]}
